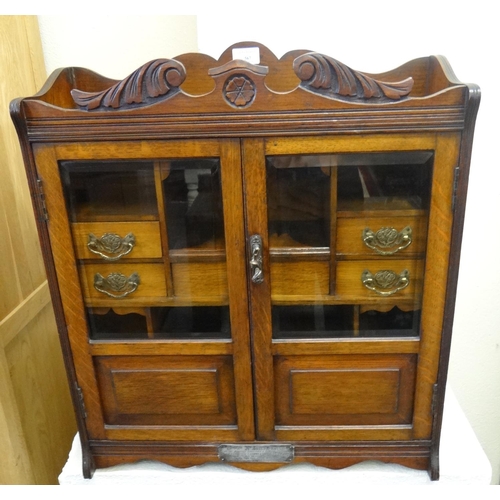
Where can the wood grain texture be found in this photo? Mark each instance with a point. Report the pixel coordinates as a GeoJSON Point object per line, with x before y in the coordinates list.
{"type": "Point", "coordinates": [202, 280]}
{"type": "Point", "coordinates": [436, 272]}
{"type": "Point", "coordinates": [16, 461]}
{"type": "Point", "coordinates": [260, 294]}
{"type": "Point", "coordinates": [300, 278]}
{"type": "Point", "coordinates": [328, 391]}
{"type": "Point", "coordinates": [181, 391]}
{"type": "Point", "coordinates": [68, 282]}
{"type": "Point", "coordinates": [22, 267]}
{"type": "Point", "coordinates": [46, 412]}
{"type": "Point", "coordinates": [236, 267]}
{"type": "Point", "coordinates": [16, 321]}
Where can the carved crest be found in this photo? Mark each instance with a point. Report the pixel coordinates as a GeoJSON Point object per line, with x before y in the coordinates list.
{"type": "Point", "coordinates": [239, 91]}
{"type": "Point", "coordinates": [152, 80]}
{"type": "Point", "coordinates": [328, 77]}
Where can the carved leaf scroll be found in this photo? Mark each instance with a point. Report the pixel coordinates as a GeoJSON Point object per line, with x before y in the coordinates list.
{"type": "Point", "coordinates": [154, 79]}
{"type": "Point", "coordinates": [327, 76]}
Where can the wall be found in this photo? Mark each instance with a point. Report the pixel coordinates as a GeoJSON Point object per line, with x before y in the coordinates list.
{"type": "Point", "coordinates": [114, 46]}
{"type": "Point", "coordinates": [371, 37]}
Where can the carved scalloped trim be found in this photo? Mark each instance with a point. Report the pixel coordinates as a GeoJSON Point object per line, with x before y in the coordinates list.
{"type": "Point", "coordinates": [154, 79]}
{"type": "Point", "coordinates": [327, 76]}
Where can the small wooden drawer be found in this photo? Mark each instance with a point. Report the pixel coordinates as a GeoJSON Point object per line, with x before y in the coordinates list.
{"type": "Point", "coordinates": [381, 235]}
{"type": "Point", "coordinates": [123, 281]}
{"type": "Point", "coordinates": [300, 278]}
{"type": "Point", "coordinates": [379, 279]}
{"type": "Point", "coordinates": [113, 241]}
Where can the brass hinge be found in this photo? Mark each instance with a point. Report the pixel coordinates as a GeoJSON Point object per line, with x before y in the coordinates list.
{"type": "Point", "coordinates": [81, 402]}
{"type": "Point", "coordinates": [41, 195]}
{"type": "Point", "coordinates": [455, 187]}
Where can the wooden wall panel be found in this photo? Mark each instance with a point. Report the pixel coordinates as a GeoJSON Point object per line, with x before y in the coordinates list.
{"type": "Point", "coordinates": [36, 418]}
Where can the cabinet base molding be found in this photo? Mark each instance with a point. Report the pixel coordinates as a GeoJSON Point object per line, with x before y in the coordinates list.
{"type": "Point", "coordinates": [413, 454]}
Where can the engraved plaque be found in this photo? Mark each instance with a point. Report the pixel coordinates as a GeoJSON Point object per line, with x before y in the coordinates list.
{"type": "Point", "coordinates": [266, 453]}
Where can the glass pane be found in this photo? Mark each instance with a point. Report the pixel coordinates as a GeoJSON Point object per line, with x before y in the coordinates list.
{"type": "Point", "coordinates": [384, 181]}
{"type": "Point", "coordinates": [298, 200]}
{"type": "Point", "coordinates": [180, 323]}
{"type": "Point", "coordinates": [347, 238]}
{"type": "Point", "coordinates": [109, 191]}
{"type": "Point", "coordinates": [392, 323]}
{"type": "Point", "coordinates": [106, 324]}
{"type": "Point", "coordinates": [343, 321]}
{"type": "Point", "coordinates": [201, 322]}
{"type": "Point", "coordinates": [193, 204]}
{"type": "Point", "coordinates": [319, 321]}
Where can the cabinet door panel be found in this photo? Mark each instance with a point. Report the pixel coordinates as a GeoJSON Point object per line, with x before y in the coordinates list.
{"type": "Point", "coordinates": [336, 390]}
{"type": "Point", "coordinates": [179, 290]}
{"type": "Point", "coordinates": [345, 227]}
{"type": "Point", "coordinates": [167, 390]}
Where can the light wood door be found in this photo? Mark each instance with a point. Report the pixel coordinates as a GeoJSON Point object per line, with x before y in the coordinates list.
{"type": "Point", "coordinates": [348, 307]}
{"type": "Point", "coordinates": [37, 424]}
{"type": "Point", "coordinates": [154, 292]}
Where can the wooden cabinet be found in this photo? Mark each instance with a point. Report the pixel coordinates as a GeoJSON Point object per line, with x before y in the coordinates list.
{"type": "Point", "coordinates": [261, 270]}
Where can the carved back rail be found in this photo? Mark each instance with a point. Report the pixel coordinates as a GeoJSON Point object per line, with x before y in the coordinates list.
{"type": "Point", "coordinates": [196, 95]}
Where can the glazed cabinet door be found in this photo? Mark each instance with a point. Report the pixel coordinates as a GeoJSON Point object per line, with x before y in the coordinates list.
{"type": "Point", "coordinates": [348, 244]}
{"type": "Point", "coordinates": [149, 252]}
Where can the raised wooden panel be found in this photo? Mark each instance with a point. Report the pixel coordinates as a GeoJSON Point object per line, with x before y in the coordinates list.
{"type": "Point", "coordinates": [167, 390]}
{"type": "Point", "coordinates": [147, 238]}
{"type": "Point", "coordinates": [335, 390]}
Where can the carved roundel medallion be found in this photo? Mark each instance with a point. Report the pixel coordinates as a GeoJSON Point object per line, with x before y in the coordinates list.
{"type": "Point", "coordinates": [239, 91]}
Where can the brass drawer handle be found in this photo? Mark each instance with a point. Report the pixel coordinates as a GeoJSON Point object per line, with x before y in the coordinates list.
{"type": "Point", "coordinates": [116, 285]}
{"type": "Point", "coordinates": [256, 259]}
{"type": "Point", "coordinates": [386, 238]}
{"type": "Point", "coordinates": [385, 282]}
{"type": "Point", "coordinates": [111, 246]}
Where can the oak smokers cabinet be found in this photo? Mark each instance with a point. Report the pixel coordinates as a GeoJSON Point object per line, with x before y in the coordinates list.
{"type": "Point", "coordinates": [253, 263]}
